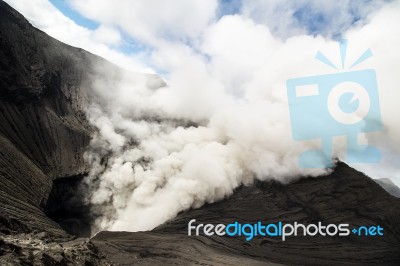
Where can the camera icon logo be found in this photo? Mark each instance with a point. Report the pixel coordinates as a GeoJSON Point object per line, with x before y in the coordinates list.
{"type": "Point", "coordinates": [339, 104]}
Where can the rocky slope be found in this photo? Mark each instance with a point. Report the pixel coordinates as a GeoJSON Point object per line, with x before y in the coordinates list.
{"type": "Point", "coordinates": [43, 131]}
{"type": "Point", "coordinates": [389, 186]}
{"type": "Point", "coordinates": [345, 196]}
{"type": "Point", "coordinates": [44, 85]}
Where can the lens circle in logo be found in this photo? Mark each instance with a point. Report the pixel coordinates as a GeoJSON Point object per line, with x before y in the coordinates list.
{"type": "Point", "coordinates": [348, 102]}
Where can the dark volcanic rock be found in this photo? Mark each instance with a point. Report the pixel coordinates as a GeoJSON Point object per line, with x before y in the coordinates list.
{"type": "Point", "coordinates": [43, 132]}
{"type": "Point", "coordinates": [30, 249]}
{"type": "Point", "coordinates": [345, 196]}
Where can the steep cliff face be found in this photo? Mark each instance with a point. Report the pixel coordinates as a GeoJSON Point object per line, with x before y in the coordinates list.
{"type": "Point", "coordinates": [41, 94]}
{"type": "Point", "coordinates": [43, 132]}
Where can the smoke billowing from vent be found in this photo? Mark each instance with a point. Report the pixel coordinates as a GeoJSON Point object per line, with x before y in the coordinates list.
{"type": "Point", "coordinates": [221, 118]}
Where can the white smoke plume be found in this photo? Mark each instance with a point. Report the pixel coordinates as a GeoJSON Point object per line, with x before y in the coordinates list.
{"type": "Point", "coordinates": [220, 119]}
{"type": "Point", "coordinates": [166, 152]}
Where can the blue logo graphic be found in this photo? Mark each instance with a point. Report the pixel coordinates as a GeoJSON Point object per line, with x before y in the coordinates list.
{"type": "Point", "coordinates": [339, 104]}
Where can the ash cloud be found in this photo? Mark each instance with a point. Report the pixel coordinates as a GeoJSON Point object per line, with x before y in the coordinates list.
{"type": "Point", "coordinates": [156, 155]}
{"type": "Point", "coordinates": [219, 119]}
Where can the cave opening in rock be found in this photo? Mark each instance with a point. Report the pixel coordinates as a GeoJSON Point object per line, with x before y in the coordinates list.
{"type": "Point", "coordinates": [66, 205]}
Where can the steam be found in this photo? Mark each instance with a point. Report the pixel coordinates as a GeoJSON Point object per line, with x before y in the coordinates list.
{"type": "Point", "coordinates": [219, 119]}
{"type": "Point", "coordinates": [156, 154]}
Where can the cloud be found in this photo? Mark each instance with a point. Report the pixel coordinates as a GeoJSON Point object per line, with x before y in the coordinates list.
{"type": "Point", "coordinates": [150, 20]}
{"type": "Point", "coordinates": [383, 41]}
{"type": "Point", "coordinates": [107, 35]}
{"type": "Point", "coordinates": [328, 18]}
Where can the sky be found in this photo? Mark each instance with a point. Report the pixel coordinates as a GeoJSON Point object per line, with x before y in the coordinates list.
{"type": "Point", "coordinates": [117, 32]}
{"type": "Point", "coordinates": [226, 64]}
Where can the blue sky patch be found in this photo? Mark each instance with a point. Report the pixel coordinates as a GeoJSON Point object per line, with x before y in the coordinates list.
{"type": "Point", "coordinates": [66, 9]}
